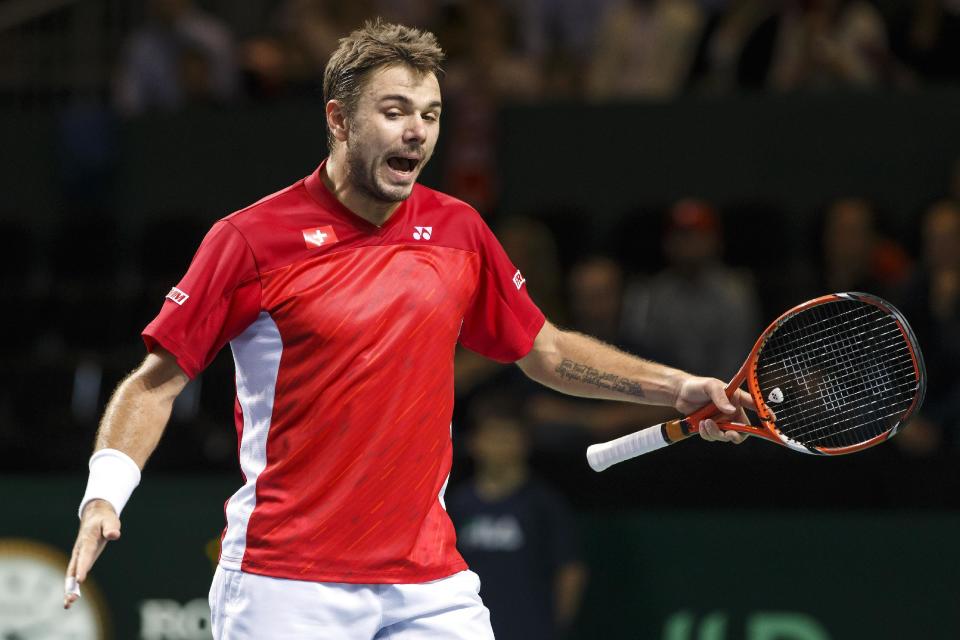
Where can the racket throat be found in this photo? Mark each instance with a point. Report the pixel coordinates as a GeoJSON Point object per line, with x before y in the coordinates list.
{"type": "Point", "coordinates": [677, 430]}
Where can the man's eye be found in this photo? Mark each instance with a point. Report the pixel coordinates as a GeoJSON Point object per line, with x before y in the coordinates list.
{"type": "Point", "coordinates": [393, 115]}
{"type": "Point", "coordinates": [431, 117]}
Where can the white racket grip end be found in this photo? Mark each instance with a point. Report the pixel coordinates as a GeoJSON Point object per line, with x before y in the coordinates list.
{"type": "Point", "coordinates": [604, 455]}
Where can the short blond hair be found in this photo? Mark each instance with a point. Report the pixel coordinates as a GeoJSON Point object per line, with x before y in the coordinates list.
{"type": "Point", "coordinates": [377, 44]}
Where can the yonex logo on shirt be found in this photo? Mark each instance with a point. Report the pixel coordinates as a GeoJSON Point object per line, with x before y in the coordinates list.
{"type": "Point", "coordinates": [518, 279]}
{"type": "Point", "coordinates": [177, 296]}
{"type": "Point", "coordinates": [423, 233]}
{"type": "Point", "coordinates": [319, 236]}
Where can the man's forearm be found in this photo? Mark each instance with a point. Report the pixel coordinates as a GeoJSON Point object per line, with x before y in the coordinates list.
{"type": "Point", "coordinates": [139, 409]}
{"type": "Point", "coordinates": [579, 365]}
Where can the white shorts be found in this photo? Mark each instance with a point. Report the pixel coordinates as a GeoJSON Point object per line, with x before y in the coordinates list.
{"type": "Point", "coordinates": [247, 606]}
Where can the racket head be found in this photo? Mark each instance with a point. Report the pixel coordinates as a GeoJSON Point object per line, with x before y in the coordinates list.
{"type": "Point", "coordinates": [835, 375]}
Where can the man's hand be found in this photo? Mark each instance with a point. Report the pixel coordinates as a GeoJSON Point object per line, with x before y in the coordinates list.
{"type": "Point", "coordinates": [697, 392]}
{"type": "Point", "coordinates": [98, 525]}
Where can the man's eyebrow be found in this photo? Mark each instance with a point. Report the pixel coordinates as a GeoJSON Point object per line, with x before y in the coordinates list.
{"type": "Point", "coordinates": [405, 100]}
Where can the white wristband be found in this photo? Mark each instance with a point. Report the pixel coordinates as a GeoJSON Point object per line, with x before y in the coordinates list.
{"type": "Point", "coordinates": [113, 477]}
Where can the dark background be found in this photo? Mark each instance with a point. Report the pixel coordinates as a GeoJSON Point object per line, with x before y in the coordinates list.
{"type": "Point", "coordinates": [103, 206]}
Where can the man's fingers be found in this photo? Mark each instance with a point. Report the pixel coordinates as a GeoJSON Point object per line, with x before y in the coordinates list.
{"type": "Point", "coordinates": [88, 549]}
{"type": "Point", "coordinates": [718, 396]}
{"type": "Point", "coordinates": [96, 530]}
{"type": "Point", "coordinates": [734, 437]}
{"type": "Point", "coordinates": [111, 529]}
{"type": "Point", "coordinates": [70, 589]}
{"type": "Point", "coordinates": [744, 399]}
{"type": "Point", "coordinates": [709, 430]}
{"type": "Point", "coordinates": [72, 566]}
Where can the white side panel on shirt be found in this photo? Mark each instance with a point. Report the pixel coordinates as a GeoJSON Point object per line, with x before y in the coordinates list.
{"type": "Point", "coordinates": [256, 354]}
{"type": "Point", "coordinates": [443, 489]}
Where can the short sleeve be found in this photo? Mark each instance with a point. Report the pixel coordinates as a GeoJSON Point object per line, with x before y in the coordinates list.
{"type": "Point", "coordinates": [501, 321]}
{"type": "Point", "coordinates": [213, 303]}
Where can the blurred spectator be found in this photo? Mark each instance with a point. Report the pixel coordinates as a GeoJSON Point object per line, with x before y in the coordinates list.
{"type": "Point", "coordinates": [930, 41]}
{"type": "Point", "coordinates": [311, 29]}
{"type": "Point", "coordinates": [954, 186]}
{"type": "Point", "coordinates": [595, 292]}
{"type": "Point", "coordinates": [645, 48]}
{"type": "Point", "coordinates": [533, 249]}
{"type": "Point", "coordinates": [415, 13]}
{"type": "Point", "coordinates": [931, 303]}
{"type": "Point", "coordinates": [182, 55]}
{"type": "Point", "coordinates": [516, 533]}
{"type": "Point", "coordinates": [561, 423]}
{"type": "Point", "coordinates": [738, 46]}
{"type": "Point", "coordinates": [484, 50]}
{"type": "Point", "coordinates": [697, 314]}
{"type": "Point", "coordinates": [855, 256]}
{"type": "Point", "coordinates": [484, 67]}
{"type": "Point", "coordinates": [559, 34]}
{"type": "Point", "coordinates": [829, 44]}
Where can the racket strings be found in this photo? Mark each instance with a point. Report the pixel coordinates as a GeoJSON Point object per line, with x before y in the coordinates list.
{"type": "Point", "coordinates": [868, 410]}
{"type": "Point", "coordinates": [789, 370]}
{"type": "Point", "coordinates": [853, 395]}
{"type": "Point", "coordinates": [860, 403]}
{"type": "Point", "coordinates": [854, 402]}
{"type": "Point", "coordinates": [845, 371]}
{"type": "Point", "coordinates": [787, 334]}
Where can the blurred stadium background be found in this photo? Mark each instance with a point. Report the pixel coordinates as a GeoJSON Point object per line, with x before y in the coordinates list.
{"type": "Point", "coordinates": [669, 175]}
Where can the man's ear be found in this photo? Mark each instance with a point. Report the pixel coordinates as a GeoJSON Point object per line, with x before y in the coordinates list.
{"type": "Point", "coordinates": [337, 120]}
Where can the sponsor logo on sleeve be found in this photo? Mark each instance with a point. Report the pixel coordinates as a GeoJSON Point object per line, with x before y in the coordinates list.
{"type": "Point", "coordinates": [319, 236]}
{"type": "Point", "coordinates": [422, 233]}
{"type": "Point", "coordinates": [177, 296]}
{"type": "Point", "coordinates": [518, 279]}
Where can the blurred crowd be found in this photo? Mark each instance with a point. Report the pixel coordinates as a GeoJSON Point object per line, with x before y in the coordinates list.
{"type": "Point", "coordinates": [523, 50]}
{"type": "Point", "coordinates": [696, 301]}
{"type": "Point", "coordinates": [702, 309]}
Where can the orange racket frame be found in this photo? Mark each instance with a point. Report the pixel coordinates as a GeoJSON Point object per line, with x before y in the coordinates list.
{"type": "Point", "coordinates": [601, 456]}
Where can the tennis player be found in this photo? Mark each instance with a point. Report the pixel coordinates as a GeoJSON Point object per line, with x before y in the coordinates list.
{"type": "Point", "coordinates": [342, 298]}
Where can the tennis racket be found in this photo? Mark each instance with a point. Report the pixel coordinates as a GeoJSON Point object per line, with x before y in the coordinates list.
{"type": "Point", "coordinates": [834, 375]}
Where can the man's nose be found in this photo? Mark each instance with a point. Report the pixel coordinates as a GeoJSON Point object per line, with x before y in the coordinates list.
{"type": "Point", "coordinates": [416, 131]}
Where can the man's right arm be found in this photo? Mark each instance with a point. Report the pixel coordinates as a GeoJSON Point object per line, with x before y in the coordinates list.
{"type": "Point", "coordinates": [132, 423]}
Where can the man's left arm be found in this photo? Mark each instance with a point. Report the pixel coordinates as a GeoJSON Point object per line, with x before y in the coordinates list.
{"type": "Point", "coordinates": [579, 365]}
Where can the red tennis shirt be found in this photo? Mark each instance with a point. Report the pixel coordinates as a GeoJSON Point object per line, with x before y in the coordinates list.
{"type": "Point", "coordinates": [343, 337]}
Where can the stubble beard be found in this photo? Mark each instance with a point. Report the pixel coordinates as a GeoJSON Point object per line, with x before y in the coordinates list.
{"type": "Point", "coordinates": [363, 174]}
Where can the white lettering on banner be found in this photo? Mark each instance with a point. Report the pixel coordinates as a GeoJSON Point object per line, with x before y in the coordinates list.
{"type": "Point", "coordinates": [763, 625]}
{"type": "Point", "coordinates": [170, 620]}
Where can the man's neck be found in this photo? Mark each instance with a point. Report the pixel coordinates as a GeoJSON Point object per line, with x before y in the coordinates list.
{"type": "Point", "coordinates": [335, 178]}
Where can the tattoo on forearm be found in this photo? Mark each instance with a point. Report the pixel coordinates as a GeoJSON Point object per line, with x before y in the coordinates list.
{"type": "Point", "coordinates": [570, 370]}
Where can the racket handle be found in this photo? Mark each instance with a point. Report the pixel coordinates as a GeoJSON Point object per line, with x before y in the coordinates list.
{"type": "Point", "coordinates": [604, 455]}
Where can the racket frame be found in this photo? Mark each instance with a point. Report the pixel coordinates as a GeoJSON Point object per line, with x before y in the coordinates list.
{"type": "Point", "coordinates": [682, 428]}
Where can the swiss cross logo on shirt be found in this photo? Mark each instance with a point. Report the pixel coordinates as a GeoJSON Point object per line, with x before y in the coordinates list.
{"type": "Point", "coordinates": [177, 296]}
{"type": "Point", "coordinates": [422, 233]}
{"type": "Point", "coordinates": [518, 279]}
{"type": "Point", "coordinates": [319, 236]}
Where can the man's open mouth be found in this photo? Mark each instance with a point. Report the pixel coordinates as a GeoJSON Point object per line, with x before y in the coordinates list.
{"type": "Point", "coordinates": [402, 164]}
